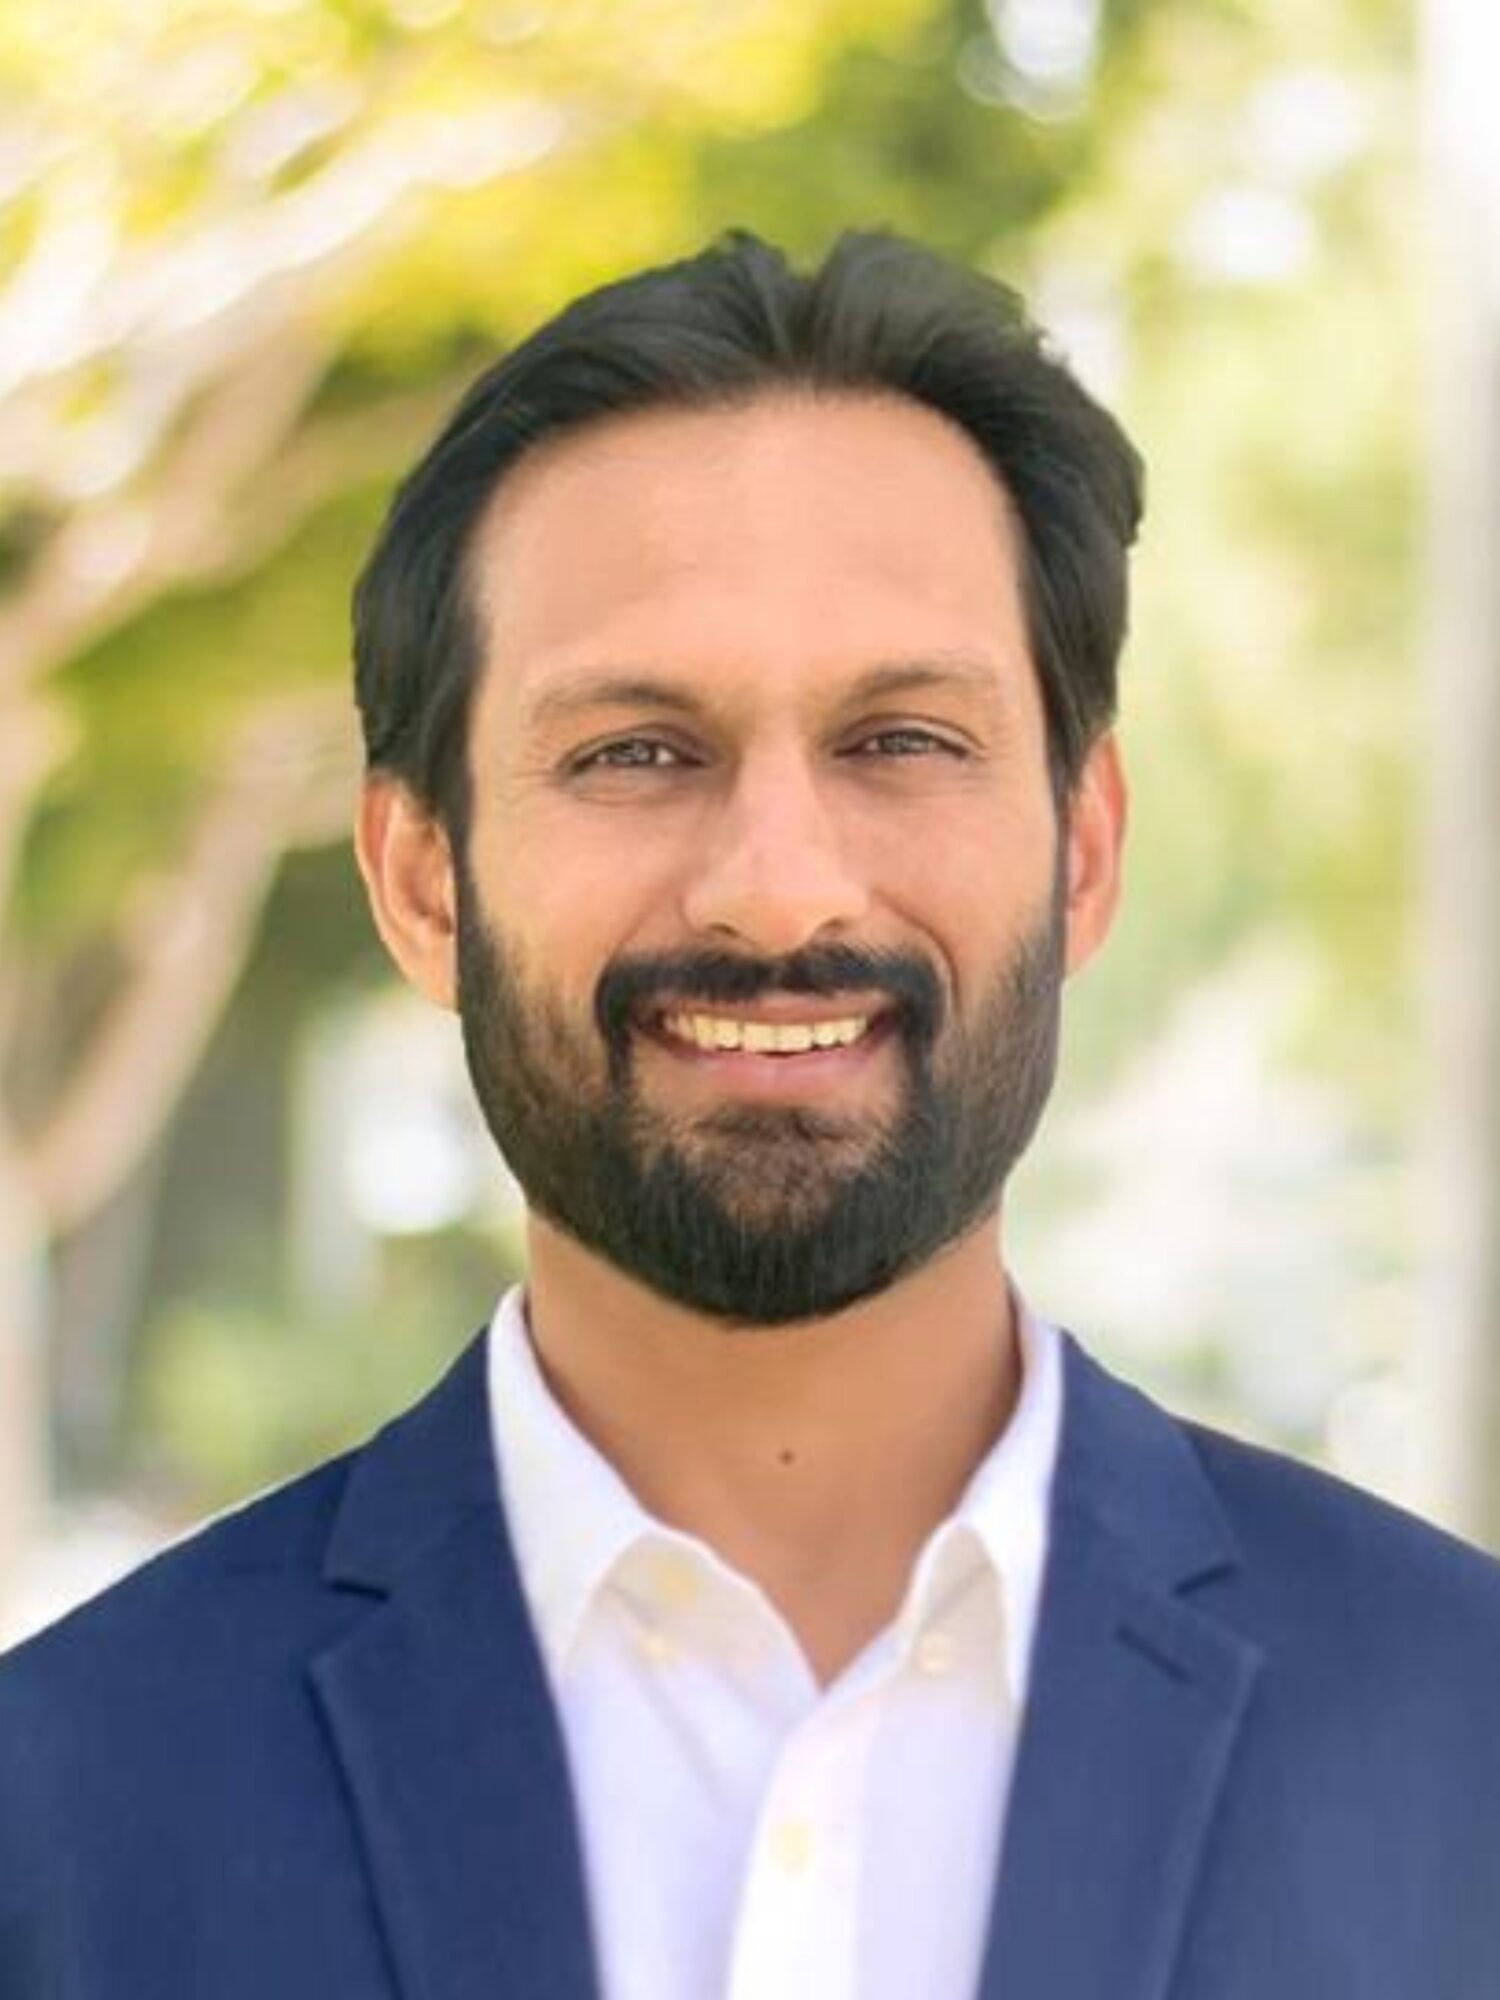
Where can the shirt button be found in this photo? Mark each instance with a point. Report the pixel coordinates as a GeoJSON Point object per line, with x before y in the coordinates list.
{"type": "Point", "coordinates": [675, 1579]}
{"type": "Point", "coordinates": [656, 1646]}
{"type": "Point", "coordinates": [935, 1653]}
{"type": "Point", "coordinates": [792, 1845]}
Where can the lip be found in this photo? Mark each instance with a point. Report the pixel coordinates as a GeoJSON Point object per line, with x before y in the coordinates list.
{"type": "Point", "coordinates": [777, 1079]}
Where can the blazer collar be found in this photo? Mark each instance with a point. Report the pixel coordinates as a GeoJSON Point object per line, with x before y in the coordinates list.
{"type": "Point", "coordinates": [1138, 1694]}
{"type": "Point", "coordinates": [1123, 1461]}
{"type": "Point", "coordinates": [416, 1480]}
{"type": "Point", "coordinates": [1133, 1470]}
{"type": "Point", "coordinates": [441, 1718]}
{"type": "Point", "coordinates": [440, 1712]}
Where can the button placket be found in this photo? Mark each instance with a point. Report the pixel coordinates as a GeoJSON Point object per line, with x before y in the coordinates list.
{"type": "Point", "coordinates": [795, 1930]}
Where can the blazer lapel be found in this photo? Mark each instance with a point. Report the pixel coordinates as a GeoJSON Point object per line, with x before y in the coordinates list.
{"type": "Point", "coordinates": [441, 1717]}
{"type": "Point", "coordinates": [1136, 1699]}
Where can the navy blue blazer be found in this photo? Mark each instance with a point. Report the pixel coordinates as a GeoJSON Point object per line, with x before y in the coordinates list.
{"type": "Point", "coordinates": [310, 1754]}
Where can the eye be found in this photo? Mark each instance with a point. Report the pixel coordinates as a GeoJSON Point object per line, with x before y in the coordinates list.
{"type": "Point", "coordinates": [905, 741]}
{"type": "Point", "coordinates": [629, 753]}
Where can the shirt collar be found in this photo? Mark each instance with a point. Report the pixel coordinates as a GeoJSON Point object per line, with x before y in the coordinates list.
{"type": "Point", "coordinates": [572, 1517]}
{"type": "Point", "coordinates": [1002, 1520]}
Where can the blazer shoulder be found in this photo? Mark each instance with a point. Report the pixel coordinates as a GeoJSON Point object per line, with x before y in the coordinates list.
{"type": "Point", "coordinates": [278, 1533]}
{"type": "Point", "coordinates": [178, 1669]}
{"type": "Point", "coordinates": [1342, 1556]}
{"type": "Point", "coordinates": [252, 1585]}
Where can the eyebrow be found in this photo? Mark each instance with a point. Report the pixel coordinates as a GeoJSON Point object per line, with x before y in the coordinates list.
{"type": "Point", "coordinates": [605, 687]}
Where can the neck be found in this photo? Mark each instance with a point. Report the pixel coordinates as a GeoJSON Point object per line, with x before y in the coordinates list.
{"type": "Point", "coordinates": [815, 1458]}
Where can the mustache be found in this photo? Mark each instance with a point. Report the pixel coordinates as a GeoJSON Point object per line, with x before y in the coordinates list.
{"type": "Point", "coordinates": [630, 987]}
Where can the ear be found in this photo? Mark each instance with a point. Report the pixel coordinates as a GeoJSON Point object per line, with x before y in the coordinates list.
{"type": "Point", "coordinates": [407, 864]}
{"type": "Point", "coordinates": [1098, 808]}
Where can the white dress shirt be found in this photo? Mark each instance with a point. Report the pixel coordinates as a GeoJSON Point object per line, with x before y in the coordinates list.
{"type": "Point", "coordinates": [746, 1834]}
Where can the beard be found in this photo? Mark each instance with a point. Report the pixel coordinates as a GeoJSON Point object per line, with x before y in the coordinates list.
{"type": "Point", "coordinates": [759, 1215]}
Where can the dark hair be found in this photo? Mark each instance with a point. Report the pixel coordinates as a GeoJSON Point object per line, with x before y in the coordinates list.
{"type": "Point", "coordinates": [879, 314]}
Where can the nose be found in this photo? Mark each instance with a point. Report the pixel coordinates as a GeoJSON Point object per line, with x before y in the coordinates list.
{"type": "Point", "coordinates": [774, 873]}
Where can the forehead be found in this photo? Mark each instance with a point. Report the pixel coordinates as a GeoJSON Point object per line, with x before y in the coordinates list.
{"type": "Point", "coordinates": [798, 535]}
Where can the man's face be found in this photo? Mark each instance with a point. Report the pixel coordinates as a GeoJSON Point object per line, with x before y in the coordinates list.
{"type": "Point", "coordinates": [765, 905]}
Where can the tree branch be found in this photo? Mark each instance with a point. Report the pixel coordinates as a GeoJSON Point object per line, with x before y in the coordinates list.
{"type": "Point", "coordinates": [109, 559]}
{"type": "Point", "coordinates": [291, 785]}
{"type": "Point", "coordinates": [246, 362]}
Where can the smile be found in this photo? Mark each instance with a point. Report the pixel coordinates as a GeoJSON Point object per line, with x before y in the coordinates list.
{"type": "Point", "coordinates": [769, 1038]}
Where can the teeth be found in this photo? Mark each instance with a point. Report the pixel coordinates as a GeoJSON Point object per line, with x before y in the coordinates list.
{"type": "Point", "coordinates": [785, 1038]}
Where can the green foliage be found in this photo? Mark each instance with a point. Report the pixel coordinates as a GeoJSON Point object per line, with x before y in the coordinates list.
{"type": "Point", "coordinates": [545, 148]}
{"type": "Point", "coordinates": [236, 1391]}
{"type": "Point", "coordinates": [897, 141]}
{"type": "Point", "coordinates": [158, 701]}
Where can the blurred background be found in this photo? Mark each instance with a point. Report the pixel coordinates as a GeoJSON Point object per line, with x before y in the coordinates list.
{"type": "Point", "coordinates": [249, 254]}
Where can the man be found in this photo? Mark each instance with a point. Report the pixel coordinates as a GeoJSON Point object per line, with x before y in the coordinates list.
{"type": "Point", "coordinates": [772, 1603]}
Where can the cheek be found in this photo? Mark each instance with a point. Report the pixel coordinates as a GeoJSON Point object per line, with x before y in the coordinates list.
{"type": "Point", "coordinates": [976, 875]}
{"type": "Point", "coordinates": [974, 896]}
{"type": "Point", "coordinates": [574, 900]}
